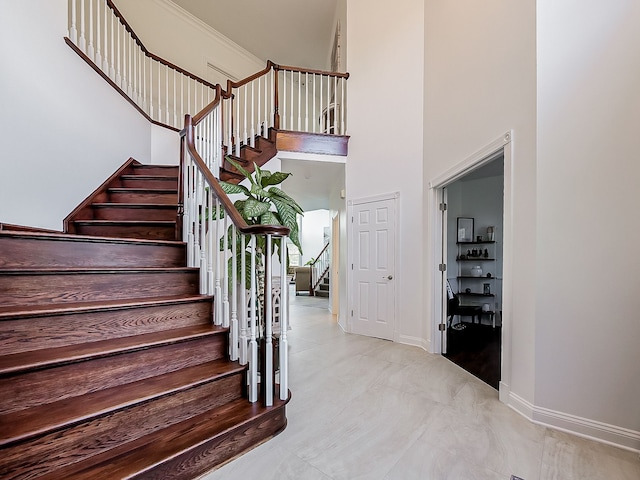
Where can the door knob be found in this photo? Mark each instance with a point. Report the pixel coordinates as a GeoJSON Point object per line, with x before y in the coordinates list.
{"type": "Point", "coordinates": [390, 277]}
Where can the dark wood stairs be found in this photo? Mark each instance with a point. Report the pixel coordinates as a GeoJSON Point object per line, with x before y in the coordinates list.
{"type": "Point", "coordinates": [110, 365]}
{"type": "Point", "coordinates": [264, 150]}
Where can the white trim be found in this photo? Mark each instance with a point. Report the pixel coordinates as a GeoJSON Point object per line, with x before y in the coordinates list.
{"type": "Point", "coordinates": [471, 163]}
{"type": "Point", "coordinates": [582, 427]}
{"type": "Point", "coordinates": [312, 157]}
{"type": "Point", "coordinates": [198, 24]}
{"type": "Point", "coordinates": [414, 342]}
{"type": "Point", "coordinates": [396, 256]}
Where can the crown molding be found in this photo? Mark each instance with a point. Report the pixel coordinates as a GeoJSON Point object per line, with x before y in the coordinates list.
{"type": "Point", "coordinates": [198, 24]}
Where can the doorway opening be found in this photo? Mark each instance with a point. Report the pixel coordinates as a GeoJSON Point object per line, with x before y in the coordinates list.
{"type": "Point", "coordinates": [473, 251]}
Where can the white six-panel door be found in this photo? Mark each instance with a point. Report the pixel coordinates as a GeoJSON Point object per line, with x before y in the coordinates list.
{"type": "Point", "coordinates": [373, 268]}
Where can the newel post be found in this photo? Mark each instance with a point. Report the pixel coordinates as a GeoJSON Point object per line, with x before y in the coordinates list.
{"type": "Point", "coordinates": [276, 108]}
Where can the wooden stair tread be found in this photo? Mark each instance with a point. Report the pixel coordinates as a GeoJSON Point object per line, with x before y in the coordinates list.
{"type": "Point", "coordinates": [74, 270]}
{"type": "Point", "coordinates": [27, 423]}
{"type": "Point", "coordinates": [27, 311]}
{"type": "Point", "coordinates": [149, 177]}
{"type": "Point", "coordinates": [53, 236]}
{"type": "Point", "coordinates": [12, 312]}
{"type": "Point", "coordinates": [141, 190]}
{"type": "Point", "coordinates": [49, 357]}
{"type": "Point", "coordinates": [135, 205]}
{"type": "Point", "coordinates": [143, 454]}
{"type": "Point", "coordinates": [125, 222]}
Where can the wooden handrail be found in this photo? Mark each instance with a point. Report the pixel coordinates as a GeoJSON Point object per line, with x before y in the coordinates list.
{"type": "Point", "coordinates": [220, 194]}
{"type": "Point", "coordinates": [320, 254]}
{"type": "Point", "coordinates": [308, 70]}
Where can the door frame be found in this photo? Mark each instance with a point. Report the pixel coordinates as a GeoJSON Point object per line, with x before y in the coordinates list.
{"type": "Point", "coordinates": [351, 290]}
{"type": "Point", "coordinates": [501, 146]}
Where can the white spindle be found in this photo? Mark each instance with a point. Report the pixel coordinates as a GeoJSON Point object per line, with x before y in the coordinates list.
{"type": "Point", "coordinates": [284, 322]}
{"type": "Point", "coordinates": [225, 276]}
{"type": "Point", "coordinates": [291, 116]}
{"type": "Point", "coordinates": [313, 115]}
{"type": "Point", "coordinates": [145, 105]}
{"type": "Point", "coordinates": [267, 383]}
{"type": "Point", "coordinates": [253, 345]}
{"type": "Point", "coordinates": [83, 41]}
{"type": "Point", "coordinates": [98, 38]}
{"type": "Point", "coordinates": [91, 51]}
{"type": "Point", "coordinates": [299, 101]}
{"type": "Point", "coordinates": [73, 30]}
{"type": "Point", "coordinates": [336, 106]}
{"type": "Point", "coordinates": [211, 245]}
{"type": "Point", "coordinates": [253, 119]}
{"type": "Point", "coordinates": [328, 104]}
{"type": "Point", "coordinates": [306, 102]}
{"type": "Point", "coordinates": [166, 94]}
{"type": "Point", "coordinates": [105, 47]}
{"type": "Point", "coordinates": [189, 207]}
{"type": "Point", "coordinates": [236, 129]}
{"type": "Point", "coordinates": [112, 52]}
{"type": "Point", "coordinates": [343, 128]}
{"type": "Point", "coordinates": [201, 225]}
{"type": "Point", "coordinates": [182, 111]}
{"type": "Point", "coordinates": [233, 350]}
{"type": "Point", "coordinates": [218, 263]}
{"type": "Point", "coordinates": [130, 72]}
{"type": "Point", "coordinates": [175, 103]}
{"type": "Point", "coordinates": [243, 309]}
{"type": "Point", "coordinates": [245, 115]}
{"type": "Point", "coordinates": [321, 120]}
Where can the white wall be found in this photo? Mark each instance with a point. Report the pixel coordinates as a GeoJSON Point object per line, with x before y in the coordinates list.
{"type": "Point", "coordinates": [587, 330]}
{"type": "Point", "coordinates": [64, 130]}
{"type": "Point", "coordinates": [177, 36]}
{"type": "Point", "coordinates": [385, 60]}
{"type": "Point", "coordinates": [312, 228]}
{"type": "Point", "coordinates": [480, 83]}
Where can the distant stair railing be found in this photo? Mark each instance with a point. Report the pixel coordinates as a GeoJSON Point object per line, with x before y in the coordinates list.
{"type": "Point", "coordinates": [320, 267]}
{"type": "Point", "coordinates": [161, 91]}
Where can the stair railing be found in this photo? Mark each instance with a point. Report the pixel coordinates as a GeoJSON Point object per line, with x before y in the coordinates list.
{"type": "Point", "coordinates": [235, 259]}
{"type": "Point", "coordinates": [320, 267]}
{"type": "Point", "coordinates": [284, 98]}
{"type": "Point", "coordinates": [161, 91]}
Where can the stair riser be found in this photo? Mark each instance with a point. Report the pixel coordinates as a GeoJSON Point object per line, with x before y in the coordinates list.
{"type": "Point", "coordinates": [59, 288]}
{"type": "Point", "coordinates": [54, 384]}
{"type": "Point", "coordinates": [149, 232]}
{"type": "Point", "coordinates": [161, 183]}
{"type": "Point", "coordinates": [29, 334]}
{"type": "Point", "coordinates": [166, 170]}
{"type": "Point", "coordinates": [46, 253]}
{"type": "Point", "coordinates": [143, 197]}
{"type": "Point", "coordinates": [98, 435]}
{"type": "Point", "coordinates": [169, 213]}
{"type": "Point", "coordinates": [203, 458]}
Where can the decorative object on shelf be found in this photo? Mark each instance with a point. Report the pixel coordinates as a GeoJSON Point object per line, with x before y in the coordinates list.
{"type": "Point", "coordinates": [486, 288]}
{"type": "Point", "coordinates": [465, 229]}
{"type": "Point", "coordinates": [489, 275]}
{"type": "Point", "coordinates": [467, 290]}
{"type": "Point", "coordinates": [486, 253]}
{"type": "Point", "coordinates": [491, 233]}
{"type": "Point", "coordinates": [486, 307]}
{"type": "Point", "coordinates": [478, 238]}
{"type": "Point", "coordinates": [476, 271]}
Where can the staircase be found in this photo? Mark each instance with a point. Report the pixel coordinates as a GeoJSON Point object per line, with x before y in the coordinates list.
{"type": "Point", "coordinates": [322, 290]}
{"type": "Point", "coordinates": [110, 365]}
{"type": "Point", "coordinates": [264, 150]}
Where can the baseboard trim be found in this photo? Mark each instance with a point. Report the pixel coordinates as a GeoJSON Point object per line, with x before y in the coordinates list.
{"type": "Point", "coordinates": [582, 427]}
{"type": "Point", "coordinates": [414, 341]}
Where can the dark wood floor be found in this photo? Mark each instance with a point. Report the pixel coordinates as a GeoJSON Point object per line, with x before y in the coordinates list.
{"type": "Point", "coordinates": [477, 349]}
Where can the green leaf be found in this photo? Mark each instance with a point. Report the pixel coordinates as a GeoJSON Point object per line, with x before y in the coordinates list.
{"type": "Point", "coordinates": [269, 218]}
{"type": "Point", "coordinates": [287, 198]}
{"type": "Point", "coordinates": [254, 208]}
{"type": "Point", "coordinates": [258, 174]}
{"type": "Point", "coordinates": [274, 179]}
{"type": "Point", "coordinates": [259, 191]}
{"type": "Point", "coordinates": [238, 167]}
{"type": "Point", "coordinates": [232, 188]}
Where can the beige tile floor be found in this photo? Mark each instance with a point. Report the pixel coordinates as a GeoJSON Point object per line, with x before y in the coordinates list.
{"type": "Point", "coordinates": [364, 408]}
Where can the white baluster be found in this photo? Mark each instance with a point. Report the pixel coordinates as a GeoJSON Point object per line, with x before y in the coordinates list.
{"type": "Point", "coordinates": [106, 36]}
{"type": "Point", "coordinates": [166, 94]}
{"type": "Point", "coordinates": [73, 30]}
{"type": "Point", "coordinates": [233, 350]}
{"type": "Point", "coordinates": [306, 102]}
{"type": "Point", "coordinates": [267, 383]}
{"type": "Point", "coordinates": [217, 264]}
{"type": "Point", "coordinates": [314, 103]}
{"type": "Point", "coordinates": [253, 345]}
{"type": "Point", "coordinates": [98, 38]}
{"type": "Point", "coordinates": [299, 101]}
{"type": "Point", "coordinates": [328, 104]}
{"type": "Point", "coordinates": [237, 124]}
{"type": "Point", "coordinates": [291, 116]}
{"type": "Point", "coordinates": [245, 115]}
{"type": "Point", "coordinates": [321, 120]}
{"type": "Point", "coordinates": [225, 286]}
{"type": "Point", "coordinates": [203, 242]}
{"type": "Point", "coordinates": [145, 104]}
{"type": "Point", "coordinates": [336, 106]}
{"type": "Point", "coordinates": [112, 52]}
{"type": "Point", "coordinates": [182, 111]}
{"type": "Point", "coordinates": [243, 305]}
{"type": "Point", "coordinates": [253, 119]}
{"type": "Point", "coordinates": [130, 73]}
{"type": "Point", "coordinates": [211, 246]}
{"type": "Point", "coordinates": [284, 322]}
{"type": "Point", "coordinates": [283, 114]}
{"type": "Point", "coordinates": [343, 127]}
{"type": "Point", "coordinates": [83, 41]}
{"type": "Point", "coordinates": [175, 103]}
{"type": "Point", "coordinates": [91, 51]}
{"type": "Point", "coordinates": [188, 206]}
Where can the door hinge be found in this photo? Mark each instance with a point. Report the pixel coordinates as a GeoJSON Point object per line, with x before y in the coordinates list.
{"type": "Point", "coordinates": [351, 219]}
{"type": "Point", "coordinates": [352, 313]}
{"type": "Point", "coordinates": [442, 327]}
{"type": "Point", "coordinates": [443, 207]}
{"type": "Point", "coordinates": [442, 267]}
{"type": "Point", "coordinates": [352, 266]}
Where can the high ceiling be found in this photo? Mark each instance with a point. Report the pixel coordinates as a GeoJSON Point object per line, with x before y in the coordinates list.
{"type": "Point", "coordinates": [288, 32]}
